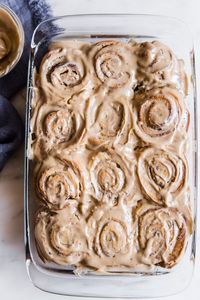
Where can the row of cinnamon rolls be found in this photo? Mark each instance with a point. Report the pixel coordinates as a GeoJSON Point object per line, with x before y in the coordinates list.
{"type": "Point", "coordinates": [112, 239]}
{"type": "Point", "coordinates": [69, 109]}
{"type": "Point", "coordinates": [153, 117]}
{"type": "Point", "coordinates": [106, 214]}
{"type": "Point", "coordinates": [108, 177]}
{"type": "Point", "coordinates": [73, 66]}
{"type": "Point", "coordinates": [109, 138]}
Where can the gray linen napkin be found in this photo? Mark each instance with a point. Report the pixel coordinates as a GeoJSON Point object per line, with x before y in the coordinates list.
{"type": "Point", "coordinates": [31, 13]}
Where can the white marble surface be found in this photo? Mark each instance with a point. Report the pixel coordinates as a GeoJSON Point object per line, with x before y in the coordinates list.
{"type": "Point", "coordinates": [14, 282]}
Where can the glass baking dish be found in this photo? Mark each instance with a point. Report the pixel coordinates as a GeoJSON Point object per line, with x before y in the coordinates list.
{"type": "Point", "coordinates": [61, 280]}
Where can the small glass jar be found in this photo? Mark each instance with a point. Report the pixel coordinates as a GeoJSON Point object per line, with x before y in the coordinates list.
{"type": "Point", "coordinates": [13, 26]}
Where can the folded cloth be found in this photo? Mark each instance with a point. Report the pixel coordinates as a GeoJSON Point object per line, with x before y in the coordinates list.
{"type": "Point", "coordinates": [31, 13]}
{"type": "Point", "coordinates": [11, 130]}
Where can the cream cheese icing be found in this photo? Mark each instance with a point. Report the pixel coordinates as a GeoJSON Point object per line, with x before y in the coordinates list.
{"type": "Point", "coordinates": [109, 145]}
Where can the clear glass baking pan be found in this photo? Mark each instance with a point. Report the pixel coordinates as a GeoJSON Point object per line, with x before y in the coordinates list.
{"type": "Point", "coordinates": [176, 35]}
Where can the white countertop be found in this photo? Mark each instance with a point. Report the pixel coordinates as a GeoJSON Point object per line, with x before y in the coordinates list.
{"type": "Point", "coordinates": [14, 282]}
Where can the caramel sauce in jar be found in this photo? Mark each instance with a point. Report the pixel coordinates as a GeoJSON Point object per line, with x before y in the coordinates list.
{"type": "Point", "coordinates": [11, 40]}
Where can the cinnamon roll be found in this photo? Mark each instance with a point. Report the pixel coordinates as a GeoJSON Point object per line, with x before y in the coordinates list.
{"type": "Point", "coordinates": [157, 115]}
{"type": "Point", "coordinates": [110, 121]}
{"type": "Point", "coordinates": [162, 175]}
{"type": "Point", "coordinates": [114, 63]}
{"type": "Point", "coordinates": [57, 127]}
{"type": "Point", "coordinates": [110, 236]}
{"type": "Point", "coordinates": [110, 178]}
{"type": "Point", "coordinates": [158, 66]}
{"type": "Point", "coordinates": [64, 72]}
{"type": "Point", "coordinates": [58, 182]}
{"type": "Point", "coordinates": [162, 235]}
{"type": "Point", "coordinates": [60, 236]}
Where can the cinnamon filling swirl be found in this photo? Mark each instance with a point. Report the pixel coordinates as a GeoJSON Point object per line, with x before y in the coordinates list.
{"type": "Point", "coordinates": [157, 115]}
{"type": "Point", "coordinates": [60, 236]}
{"type": "Point", "coordinates": [110, 121]}
{"type": "Point", "coordinates": [59, 184]}
{"type": "Point", "coordinates": [63, 72]}
{"type": "Point", "coordinates": [111, 63]}
{"type": "Point", "coordinates": [109, 176]}
{"type": "Point", "coordinates": [162, 174]}
{"type": "Point", "coordinates": [158, 66]}
{"type": "Point", "coordinates": [59, 125]}
{"type": "Point", "coordinates": [110, 237]}
{"type": "Point", "coordinates": [161, 235]}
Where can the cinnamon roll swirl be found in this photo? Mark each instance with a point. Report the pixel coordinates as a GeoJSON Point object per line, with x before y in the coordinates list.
{"type": "Point", "coordinates": [158, 66]}
{"type": "Point", "coordinates": [110, 236]}
{"type": "Point", "coordinates": [57, 127]}
{"type": "Point", "coordinates": [58, 182]}
{"type": "Point", "coordinates": [162, 235]}
{"type": "Point", "coordinates": [162, 175]}
{"type": "Point", "coordinates": [109, 176]}
{"type": "Point", "coordinates": [60, 236]}
{"type": "Point", "coordinates": [64, 72]}
{"type": "Point", "coordinates": [110, 121]}
{"type": "Point", "coordinates": [114, 63]}
{"type": "Point", "coordinates": [157, 115]}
